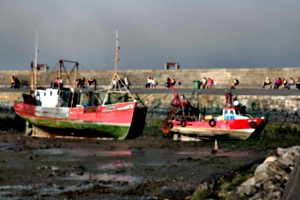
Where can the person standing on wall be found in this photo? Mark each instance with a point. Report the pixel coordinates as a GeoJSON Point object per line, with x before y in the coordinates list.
{"type": "Point", "coordinates": [127, 83]}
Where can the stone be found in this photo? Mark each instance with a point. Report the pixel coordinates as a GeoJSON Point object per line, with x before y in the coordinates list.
{"type": "Point", "coordinates": [289, 157]}
{"type": "Point", "coordinates": [248, 187]}
{"type": "Point", "coordinates": [273, 195]}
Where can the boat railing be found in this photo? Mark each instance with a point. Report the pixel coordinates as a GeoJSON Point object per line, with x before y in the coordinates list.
{"type": "Point", "coordinates": [246, 115]}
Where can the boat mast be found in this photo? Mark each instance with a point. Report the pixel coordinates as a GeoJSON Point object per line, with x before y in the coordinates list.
{"type": "Point", "coordinates": [117, 53]}
{"type": "Point", "coordinates": [36, 54]}
{"type": "Point", "coordinates": [116, 76]}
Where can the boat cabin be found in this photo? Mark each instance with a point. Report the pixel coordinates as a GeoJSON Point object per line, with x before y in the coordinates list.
{"type": "Point", "coordinates": [56, 98]}
{"type": "Point", "coordinates": [233, 113]}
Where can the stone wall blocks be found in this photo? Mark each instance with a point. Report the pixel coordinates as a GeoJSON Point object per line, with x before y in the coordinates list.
{"type": "Point", "coordinates": [186, 76]}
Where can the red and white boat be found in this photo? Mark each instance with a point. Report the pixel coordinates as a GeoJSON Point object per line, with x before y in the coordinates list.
{"type": "Point", "coordinates": [184, 120]}
{"type": "Point", "coordinates": [58, 112]}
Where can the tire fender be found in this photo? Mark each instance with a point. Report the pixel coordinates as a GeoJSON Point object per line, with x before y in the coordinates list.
{"type": "Point", "coordinates": [183, 123]}
{"type": "Point", "coordinates": [212, 123]}
{"type": "Point", "coordinates": [170, 125]}
{"type": "Point", "coordinates": [253, 124]}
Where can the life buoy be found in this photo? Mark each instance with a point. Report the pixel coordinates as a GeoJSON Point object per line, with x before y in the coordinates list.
{"type": "Point", "coordinates": [212, 123]}
{"type": "Point", "coordinates": [183, 123]}
{"type": "Point", "coordinates": [253, 124]}
{"type": "Point", "coordinates": [170, 124]}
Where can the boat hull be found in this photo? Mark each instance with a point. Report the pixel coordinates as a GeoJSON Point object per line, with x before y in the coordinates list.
{"type": "Point", "coordinates": [237, 129]}
{"type": "Point", "coordinates": [113, 121]}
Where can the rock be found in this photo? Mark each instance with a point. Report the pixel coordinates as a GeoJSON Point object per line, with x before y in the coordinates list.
{"type": "Point", "coordinates": [269, 169]}
{"type": "Point", "coordinates": [273, 195]}
{"type": "Point", "coordinates": [257, 196]}
{"type": "Point", "coordinates": [268, 184]}
{"type": "Point", "coordinates": [270, 177]}
{"type": "Point", "coordinates": [290, 156]}
{"type": "Point", "coordinates": [281, 151]}
{"type": "Point", "coordinates": [204, 190]}
{"type": "Point", "coordinates": [261, 172]}
{"type": "Point", "coordinates": [270, 159]}
{"type": "Point", "coordinates": [248, 187]}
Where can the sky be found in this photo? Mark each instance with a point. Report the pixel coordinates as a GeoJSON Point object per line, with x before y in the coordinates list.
{"type": "Point", "coordinates": [198, 34]}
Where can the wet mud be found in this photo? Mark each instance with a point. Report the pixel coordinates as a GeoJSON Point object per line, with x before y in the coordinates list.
{"type": "Point", "coordinates": [142, 168]}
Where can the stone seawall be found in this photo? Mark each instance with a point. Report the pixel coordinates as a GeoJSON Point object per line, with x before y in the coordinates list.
{"type": "Point", "coordinates": [280, 108]}
{"type": "Point", "coordinates": [249, 78]}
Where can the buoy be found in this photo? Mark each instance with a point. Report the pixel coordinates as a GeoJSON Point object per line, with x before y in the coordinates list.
{"type": "Point", "coordinates": [216, 144]}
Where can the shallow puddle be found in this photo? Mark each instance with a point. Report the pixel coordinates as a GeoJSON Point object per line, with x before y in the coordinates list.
{"type": "Point", "coordinates": [114, 165]}
{"type": "Point", "coordinates": [88, 151]}
{"type": "Point", "coordinates": [208, 152]}
{"type": "Point", "coordinates": [102, 177]}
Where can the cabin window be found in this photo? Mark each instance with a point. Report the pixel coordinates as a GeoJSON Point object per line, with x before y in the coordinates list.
{"type": "Point", "coordinates": [44, 94]}
{"type": "Point", "coordinates": [225, 112]}
{"type": "Point", "coordinates": [38, 93]}
{"type": "Point", "coordinates": [50, 93]}
{"type": "Point", "coordinates": [231, 112]}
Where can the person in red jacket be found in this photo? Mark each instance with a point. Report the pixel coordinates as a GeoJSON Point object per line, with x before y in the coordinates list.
{"type": "Point", "coordinates": [210, 83]}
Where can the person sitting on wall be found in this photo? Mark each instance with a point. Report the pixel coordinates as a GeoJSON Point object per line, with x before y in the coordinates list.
{"type": "Point", "coordinates": [273, 84]}
{"type": "Point", "coordinates": [203, 83]}
{"type": "Point", "coordinates": [168, 83]}
{"type": "Point", "coordinates": [61, 82]}
{"type": "Point", "coordinates": [94, 83]}
{"type": "Point", "coordinates": [173, 81]}
{"type": "Point", "coordinates": [90, 81]}
{"type": "Point", "coordinates": [82, 83]}
{"type": "Point", "coordinates": [12, 82]}
{"type": "Point", "coordinates": [149, 81]}
{"type": "Point", "coordinates": [234, 83]}
{"type": "Point", "coordinates": [78, 82]}
{"type": "Point", "coordinates": [56, 82]}
{"type": "Point", "coordinates": [290, 83]}
{"type": "Point", "coordinates": [153, 83]}
{"type": "Point", "coordinates": [210, 82]}
{"type": "Point", "coordinates": [298, 83]}
{"type": "Point", "coordinates": [17, 83]}
{"type": "Point", "coordinates": [267, 83]}
{"type": "Point", "coordinates": [283, 83]}
{"type": "Point", "coordinates": [278, 83]}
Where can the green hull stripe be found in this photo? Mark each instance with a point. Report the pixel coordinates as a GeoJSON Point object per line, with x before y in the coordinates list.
{"type": "Point", "coordinates": [102, 130]}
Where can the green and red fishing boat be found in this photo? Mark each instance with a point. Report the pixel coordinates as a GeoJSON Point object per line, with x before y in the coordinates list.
{"type": "Point", "coordinates": [58, 112]}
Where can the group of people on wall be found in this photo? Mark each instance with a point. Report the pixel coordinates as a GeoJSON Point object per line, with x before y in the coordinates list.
{"type": "Point", "coordinates": [85, 83]}
{"type": "Point", "coordinates": [151, 83]}
{"type": "Point", "coordinates": [119, 83]}
{"type": "Point", "coordinates": [207, 83]}
{"type": "Point", "coordinates": [280, 83]}
{"type": "Point", "coordinates": [80, 82]}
